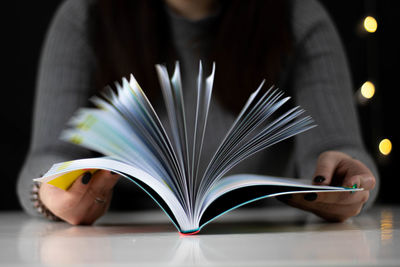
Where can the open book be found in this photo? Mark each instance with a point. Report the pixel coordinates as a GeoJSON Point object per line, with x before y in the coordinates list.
{"type": "Point", "coordinates": [165, 164]}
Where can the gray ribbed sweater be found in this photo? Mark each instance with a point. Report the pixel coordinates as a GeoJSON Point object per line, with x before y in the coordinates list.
{"type": "Point", "coordinates": [319, 80]}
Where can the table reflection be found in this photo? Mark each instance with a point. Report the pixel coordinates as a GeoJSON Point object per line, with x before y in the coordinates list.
{"type": "Point", "coordinates": [358, 240]}
{"type": "Point", "coordinates": [386, 226]}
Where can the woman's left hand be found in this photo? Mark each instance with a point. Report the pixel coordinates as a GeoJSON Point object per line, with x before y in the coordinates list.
{"type": "Point", "coordinates": [337, 169]}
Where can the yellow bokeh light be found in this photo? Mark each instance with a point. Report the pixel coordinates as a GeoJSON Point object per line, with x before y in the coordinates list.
{"type": "Point", "coordinates": [385, 146]}
{"type": "Point", "coordinates": [368, 90]}
{"type": "Point", "coordinates": [370, 24]}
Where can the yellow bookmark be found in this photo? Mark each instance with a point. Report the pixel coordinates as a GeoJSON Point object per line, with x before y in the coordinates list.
{"type": "Point", "coordinates": [66, 180]}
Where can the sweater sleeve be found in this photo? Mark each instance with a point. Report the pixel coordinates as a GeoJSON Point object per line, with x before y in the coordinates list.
{"type": "Point", "coordinates": [322, 85]}
{"type": "Point", "coordinates": [64, 84]}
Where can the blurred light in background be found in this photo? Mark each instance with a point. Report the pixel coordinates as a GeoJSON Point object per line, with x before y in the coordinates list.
{"type": "Point", "coordinates": [368, 90]}
{"type": "Point", "coordinates": [385, 146]}
{"type": "Point", "coordinates": [370, 24]}
{"type": "Point", "coordinates": [364, 93]}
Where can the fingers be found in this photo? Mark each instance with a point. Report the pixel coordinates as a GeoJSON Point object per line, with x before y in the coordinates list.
{"type": "Point", "coordinates": [80, 186]}
{"type": "Point", "coordinates": [368, 182]}
{"type": "Point", "coordinates": [85, 201]}
{"type": "Point", "coordinates": [364, 180]}
{"type": "Point", "coordinates": [333, 206]}
{"type": "Point", "coordinates": [339, 169]}
{"type": "Point", "coordinates": [326, 166]}
{"type": "Point", "coordinates": [96, 210]}
{"type": "Point", "coordinates": [94, 192]}
{"type": "Point", "coordinates": [336, 213]}
{"type": "Point", "coordinates": [102, 183]}
{"type": "Point", "coordinates": [97, 184]}
{"type": "Point", "coordinates": [49, 194]}
{"type": "Point", "coordinates": [339, 198]}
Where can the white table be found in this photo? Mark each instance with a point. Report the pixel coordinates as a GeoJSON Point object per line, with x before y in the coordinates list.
{"type": "Point", "coordinates": [252, 237]}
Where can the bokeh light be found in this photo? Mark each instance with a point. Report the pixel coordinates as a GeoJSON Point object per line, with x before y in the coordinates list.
{"type": "Point", "coordinates": [368, 90]}
{"type": "Point", "coordinates": [370, 24]}
{"type": "Point", "coordinates": [385, 146]}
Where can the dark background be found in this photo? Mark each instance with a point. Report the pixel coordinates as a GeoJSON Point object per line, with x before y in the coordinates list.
{"type": "Point", "coordinates": [373, 57]}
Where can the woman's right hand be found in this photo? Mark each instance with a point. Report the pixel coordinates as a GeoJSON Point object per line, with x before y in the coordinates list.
{"type": "Point", "coordinates": [85, 201]}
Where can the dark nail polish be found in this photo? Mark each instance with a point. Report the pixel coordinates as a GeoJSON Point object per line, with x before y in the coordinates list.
{"type": "Point", "coordinates": [284, 198]}
{"type": "Point", "coordinates": [310, 196]}
{"type": "Point", "coordinates": [319, 179]}
{"type": "Point", "coordinates": [86, 178]}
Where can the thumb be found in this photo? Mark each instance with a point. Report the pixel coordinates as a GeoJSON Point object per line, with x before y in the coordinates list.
{"type": "Point", "coordinates": [103, 182]}
{"type": "Point", "coordinates": [325, 169]}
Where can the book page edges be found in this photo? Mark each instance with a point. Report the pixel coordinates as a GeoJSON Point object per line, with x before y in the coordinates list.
{"type": "Point", "coordinates": [274, 195]}
{"type": "Point", "coordinates": [62, 175]}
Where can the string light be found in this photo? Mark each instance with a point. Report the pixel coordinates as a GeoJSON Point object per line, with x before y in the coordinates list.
{"type": "Point", "coordinates": [385, 146]}
{"type": "Point", "coordinates": [370, 24]}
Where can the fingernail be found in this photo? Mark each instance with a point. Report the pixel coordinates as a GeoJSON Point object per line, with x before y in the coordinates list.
{"type": "Point", "coordinates": [310, 196]}
{"type": "Point", "coordinates": [284, 198]}
{"type": "Point", "coordinates": [86, 178]}
{"type": "Point", "coordinates": [319, 179]}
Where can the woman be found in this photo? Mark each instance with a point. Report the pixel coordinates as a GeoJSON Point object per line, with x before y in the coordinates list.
{"type": "Point", "coordinates": [291, 43]}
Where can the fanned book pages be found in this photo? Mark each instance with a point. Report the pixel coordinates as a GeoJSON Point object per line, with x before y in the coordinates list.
{"type": "Point", "coordinates": [125, 128]}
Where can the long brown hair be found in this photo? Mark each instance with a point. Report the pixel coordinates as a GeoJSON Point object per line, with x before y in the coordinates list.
{"type": "Point", "coordinates": [250, 43]}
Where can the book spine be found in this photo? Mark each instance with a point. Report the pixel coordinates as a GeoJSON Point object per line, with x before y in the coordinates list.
{"type": "Point", "coordinates": [187, 233]}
